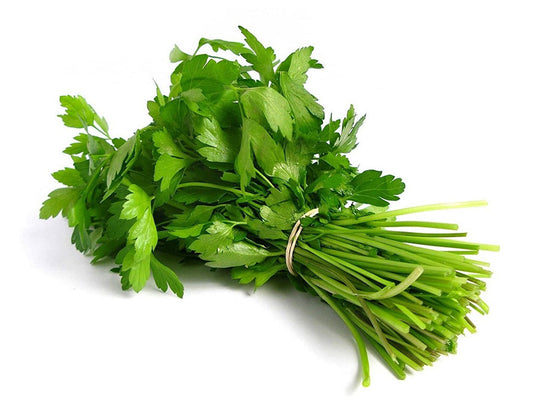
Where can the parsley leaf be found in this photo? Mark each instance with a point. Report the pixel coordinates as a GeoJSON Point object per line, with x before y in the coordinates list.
{"type": "Point", "coordinates": [236, 254]}
{"type": "Point", "coordinates": [177, 55]}
{"type": "Point", "coordinates": [69, 177]}
{"type": "Point", "coordinates": [79, 114]}
{"type": "Point", "coordinates": [269, 108]}
{"type": "Point", "coordinates": [171, 162]}
{"type": "Point", "coordinates": [207, 75]}
{"type": "Point", "coordinates": [122, 159]}
{"type": "Point", "coordinates": [59, 200]}
{"type": "Point", "coordinates": [218, 238]}
{"type": "Point", "coordinates": [165, 277]}
{"type": "Point", "coordinates": [262, 59]}
{"type": "Point", "coordinates": [221, 145]}
{"type": "Point", "coordinates": [348, 140]}
{"type": "Point", "coordinates": [268, 153]}
{"type": "Point", "coordinates": [244, 164]}
{"type": "Point", "coordinates": [308, 114]}
{"type": "Point", "coordinates": [372, 188]}
{"type": "Point", "coordinates": [259, 273]}
{"type": "Point", "coordinates": [298, 63]}
{"type": "Point", "coordinates": [236, 47]}
{"type": "Point", "coordinates": [142, 236]}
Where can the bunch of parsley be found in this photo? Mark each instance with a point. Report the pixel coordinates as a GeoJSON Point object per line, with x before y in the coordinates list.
{"type": "Point", "coordinates": [236, 153]}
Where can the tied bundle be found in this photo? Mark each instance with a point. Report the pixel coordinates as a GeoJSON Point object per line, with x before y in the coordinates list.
{"type": "Point", "coordinates": [240, 169]}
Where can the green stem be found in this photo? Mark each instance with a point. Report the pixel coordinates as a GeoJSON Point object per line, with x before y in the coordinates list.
{"type": "Point", "coordinates": [355, 333]}
{"type": "Point", "coordinates": [412, 210]}
{"type": "Point", "coordinates": [421, 224]}
{"type": "Point", "coordinates": [269, 184]}
{"type": "Point", "coordinates": [441, 242]}
{"type": "Point", "coordinates": [215, 186]}
{"type": "Point", "coordinates": [103, 132]}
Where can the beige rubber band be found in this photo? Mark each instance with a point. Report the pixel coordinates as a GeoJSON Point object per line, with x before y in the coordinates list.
{"type": "Point", "coordinates": [293, 239]}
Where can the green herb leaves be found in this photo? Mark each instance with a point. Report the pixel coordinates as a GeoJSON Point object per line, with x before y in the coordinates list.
{"type": "Point", "coordinates": [79, 114]}
{"type": "Point", "coordinates": [236, 153]}
{"type": "Point", "coordinates": [142, 237]}
{"type": "Point", "coordinates": [269, 108]}
{"type": "Point", "coordinates": [262, 59]}
{"type": "Point", "coordinates": [372, 188]}
{"type": "Point", "coordinates": [60, 200]}
{"type": "Point", "coordinates": [347, 139]}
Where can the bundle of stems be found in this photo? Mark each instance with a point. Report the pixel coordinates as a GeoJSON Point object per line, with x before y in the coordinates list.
{"type": "Point", "coordinates": [408, 293]}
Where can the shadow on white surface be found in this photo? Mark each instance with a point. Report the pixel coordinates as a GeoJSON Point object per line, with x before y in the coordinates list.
{"type": "Point", "coordinates": [47, 247]}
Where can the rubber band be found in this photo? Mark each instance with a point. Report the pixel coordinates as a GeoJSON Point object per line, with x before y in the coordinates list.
{"type": "Point", "coordinates": [293, 239]}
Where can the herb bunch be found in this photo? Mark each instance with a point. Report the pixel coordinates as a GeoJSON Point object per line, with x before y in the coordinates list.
{"type": "Point", "coordinates": [237, 152]}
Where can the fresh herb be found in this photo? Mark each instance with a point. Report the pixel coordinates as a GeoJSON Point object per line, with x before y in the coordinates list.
{"type": "Point", "coordinates": [236, 154]}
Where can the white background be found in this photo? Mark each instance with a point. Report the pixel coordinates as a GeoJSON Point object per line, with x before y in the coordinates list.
{"type": "Point", "coordinates": [448, 90]}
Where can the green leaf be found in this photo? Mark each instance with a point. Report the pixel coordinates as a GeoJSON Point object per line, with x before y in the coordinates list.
{"type": "Point", "coordinates": [261, 272]}
{"type": "Point", "coordinates": [142, 235]}
{"type": "Point", "coordinates": [138, 206]}
{"type": "Point", "coordinates": [269, 108]}
{"type": "Point", "coordinates": [329, 131]}
{"type": "Point", "coordinates": [69, 177]}
{"type": "Point", "coordinates": [102, 123]}
{"type": "Point", "coordinates": [79, 218]}
{"type": "Point", "coordinates": [298, 158]}
{"type": "Point", "coordinates": [236, 47]}
{"type": "Point", "coordinates": [208, 75]}
{"type": "Point", "coordinates": [277, 196]}
{"type": "Point", "coordinates": [137, 203]}
{"type": "Point", "coordinates": [194, 95]}
{"type": "Point", "coordinates": [298, 63]}
{"type": "Point", "coordinates": [244, 164]}
{"type": "Point", "coordinates": [348, 140]}
{"type": "Point", "coordinates": [221, 147]}
{"type": "Point", "coordinates": [262, 59]}
{"type": "Point", "coordinates": [308, 114]}
{"type": "Point", "coordinates": [264, 231]}
{"type": "Point", "coordinates": [120, 158]}
{"type": "Point", "coordinates": [329, 180]}
{"type": "Point", "coordinates": [78, 113]}
{"type": "Point", "coordinates": [81, 239]}
{"type": "Point", "coordinates": [165, 144]}
{"type": "Point", "coordinates": [267, 151]}
{"type": "Point", "coordinates": [165, 277]}
{"type": "Point", "coordinates": [173, 115]}
{"type": "Point", "coordinates": [196, 195]}
{"type": "Point", "coordinates": [59, 200]}
{"type": "Point", "coordinates": [185, 232]}
{"type": "Point", "coordinates": [282, 217]}
{"type": "Point", "coordinates": [199, 214]}
{"type": "Point", "coordinates": [371, 188]}
{"type": "Point", "coordinates": [167, 167]}
{"type": "Point", "coordinates": [279, 210]}
{"type": "Point", "coordinates": [177, 55]}
{"type": "Point", "coordinates": [236, 254]}
{"type": "Point", "coordinates": [218, 238]}
{"type": "Point", "coordinates": [137, 266]}
{"type": "Point", "coordinates": [117, 228]}
{"type": "Point", "coordinates": [336, 160]}
{"type": "Point", "coordinates": [76, 148]}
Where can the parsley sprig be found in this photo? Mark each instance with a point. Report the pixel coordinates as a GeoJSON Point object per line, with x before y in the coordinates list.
{"type": "Point", "coordinates": [237, 151]}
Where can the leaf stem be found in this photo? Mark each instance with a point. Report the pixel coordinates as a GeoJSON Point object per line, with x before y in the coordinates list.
{"type": "Point", "coordinates": [411, 210]}
{"type": "Point", "coordinates": [215, 186]}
